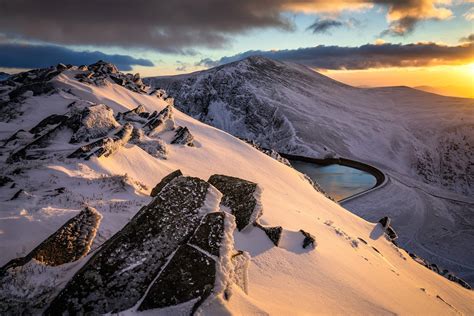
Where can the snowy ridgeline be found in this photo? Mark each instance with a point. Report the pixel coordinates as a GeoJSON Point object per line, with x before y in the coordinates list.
{"type": "Point", "coordinates": [423, 142]}
{"type": "Point", "coordinates": [85, 228]}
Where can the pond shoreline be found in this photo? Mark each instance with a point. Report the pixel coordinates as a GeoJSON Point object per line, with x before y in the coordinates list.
{"type": "Point", "coordinates": [379, 176]}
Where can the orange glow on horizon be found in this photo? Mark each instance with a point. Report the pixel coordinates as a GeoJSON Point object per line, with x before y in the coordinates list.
{"type": "Point", "coordinates": [455, 80]}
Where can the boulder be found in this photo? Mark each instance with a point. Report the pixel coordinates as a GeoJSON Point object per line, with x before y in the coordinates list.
{"type": "Point", "coordinates": [183, 137]}
{"type": "Point", "coordinates": [160, 121]}
{"type": "Point", "coordinates": [241, 196]}
{"type": "Point", "coordinates": [210, 233]}
{"type": "Point", "coordinates": [95, 121]}
{"type": "Point", "coordinates": [385, 221]}
{"type": "Point", "coordinates": [119, 273]}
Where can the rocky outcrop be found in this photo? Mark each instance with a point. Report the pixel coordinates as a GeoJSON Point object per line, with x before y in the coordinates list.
{"type": "Point", "coordinates": [162, 121]}
{"type": "Point", "coordinates": [389, 231]}
{"type": "Point", "coordinates": [95, 121]}
{"type": "Point", "coordinates": [309, 240]}
{"type": "Point", "coordinates": [183, 137]}
{"type": "Point", "coordinates": [101, 72]}
{"type": "Point", "coordinates": [105, 146]}
{"type": "Point", "coordinates": [69, 243]}
{"type": "Point", "coordinates": [157, 189]}
{"type": "Point", "coordinates": [51, 120]}
{"type": "Point", "coordinates": [242, 197]}
{"type": "Point", "coordinates": [444, 272]}
{"type": "Point", "coordinates": [117, 276]}
{"type": "Point", "coordinates": [273, 233]}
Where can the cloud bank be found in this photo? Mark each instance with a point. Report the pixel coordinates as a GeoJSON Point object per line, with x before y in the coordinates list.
{"type": "Point", "coordinates": [363, 57]}
{"type": "Point", "coordinates": [38, 56]}
{"type": "Point", "coordinates": [178, 26]}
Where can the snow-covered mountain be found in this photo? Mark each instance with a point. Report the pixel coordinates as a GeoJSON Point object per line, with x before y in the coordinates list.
{"type": "Point", "coordinates": [95, 218]}
{"type": "Point", "coordinates": [423, 142]}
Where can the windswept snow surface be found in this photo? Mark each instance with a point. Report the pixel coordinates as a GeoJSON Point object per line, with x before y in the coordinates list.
{"type": "Point", "coordinates": [423, 142]}
{"type": "Point", "coordinates": [342, 275]}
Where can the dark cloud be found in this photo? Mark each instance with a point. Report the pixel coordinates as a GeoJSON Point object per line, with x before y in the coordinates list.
{"type": "Point", "coordinates": [178, 26]}
{"type": "Point", "coordinates": [467, 39]}
{"type": "Point", "coordinates": [323, 25]}
{"type": "Point", "coordinates": [363, 57]}
{"type": "Point", "coordinates": [37, 56]}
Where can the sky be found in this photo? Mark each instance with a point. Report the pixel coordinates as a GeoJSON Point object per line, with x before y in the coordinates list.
{"type": "Point", "coordinates": [418, 43]}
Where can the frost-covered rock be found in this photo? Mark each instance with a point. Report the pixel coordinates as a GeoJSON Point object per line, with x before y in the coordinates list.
{"type": "Point", "coordinates": [105, 146]}
{"type": "Point", "coordinates": [119, 273]}
{"type": "Point", "coordinates": [101, 72]}
{"type": "Point", "coordinates": [95, 121]}
{"type": "Point", "coordinates": [241, 196]}
{"type": "Point", "coordinates": [162, 121]}
{"type": "Point", "coordinates": [69, 243]}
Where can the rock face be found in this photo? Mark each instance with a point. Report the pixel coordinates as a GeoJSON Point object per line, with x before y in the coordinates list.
{"type": "Point", "coordinates": [161, 121]}
{"type": "Point", "coordinates": [95, 121]}
{"type": "Point", "coordinates": [69, 243]}
{"type": "Point", "coordinates": [241, 196]}
{"type": "Point", "coordinates": [157, 189]}
{"type": "Point", "coordinates": [389, 231]}
{"type": "Point", "coordinates": [183, 136]}
{"type": "Point", "coordinates": [191, 273]}
{"type": "Point", "coordinates": [117, 276]}
{"type": "Point", "coordinates": [309, 240]}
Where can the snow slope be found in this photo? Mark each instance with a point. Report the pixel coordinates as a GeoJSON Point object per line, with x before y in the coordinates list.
{"type": "Point", "coordinates": [423, 142]}
{"type": "Point", "coordinates": [353, 269]}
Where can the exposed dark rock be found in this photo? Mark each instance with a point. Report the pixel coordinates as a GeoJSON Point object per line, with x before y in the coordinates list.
{"type": "Point", "coordinates": [385, 221]}
{"type": "Point", "coordinates": [105, 146]}
{"type": "Point", "coordinates": [50, 120]}
{"type": "Point", "coordinates": [183, 136]}
{"type": "Point", "coordinates": [210, 233]}
{"type": "Point", "coordinates": [274, 233]}
{"type": "Point", "coordinates": [240, 197]}
{"type": "Point", "coordinates": [391, 234]}
{"type": "Point", "coordinates": [4, 180]}
{"type": "Point", "coordinates": [309, 240]}
{"type": "Point", "coordinates": [167, 179]}
{"type": "Point", "coordinates": [189, 275]}
{"type": "Point", "coordinates": [17, 194]}
{"type": "Point", "coordinates": [69, 243]}
{"type": "Point", "coordinates": [117, 276]}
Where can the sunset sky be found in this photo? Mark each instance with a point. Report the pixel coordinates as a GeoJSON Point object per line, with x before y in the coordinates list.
{"type": "Point", "coordinates": [419, 43]}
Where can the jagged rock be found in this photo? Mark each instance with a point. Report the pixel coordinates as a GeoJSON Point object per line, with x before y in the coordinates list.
{"type": "Point", "coordinates": [210, 233]}
{"type": "Point", "coordinates": [138, 114]}
{"type": "Point", "coordinates": [269, 152]}
{"type": "Point", "coordinates": [385, 221]}
{"type": "Point", "coordinates": [273, 233]}
{"type": "Point", "coordinates": [240, 261]}
{"type": "Point", "coordinates": [95, 121]}
{"type": "Point", "coordinates": [120, 272]}
{"type": "Point", "coordinates": [183, 136]}
{"type": "Point", "coordinates": [157, 189]}
{"type": "Point", "coordinates": [241, 196]}
{"type": "Point", "coordinates": [161, 121]}
{"type": "Point", "coordinates": [53, 119]}
{"type": "Point", "coordinates": [69, 243]}
{"type": "Point", "coordinates": [309, 240]}
{"type": "Point", "coordinates": [105, 146]}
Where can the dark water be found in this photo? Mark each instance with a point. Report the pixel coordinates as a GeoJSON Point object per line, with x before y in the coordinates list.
{"type": "Point", "coordinates": [338, 181]}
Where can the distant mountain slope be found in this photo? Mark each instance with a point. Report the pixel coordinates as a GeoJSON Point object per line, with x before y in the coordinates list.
{"type": "Point", "coordinates": [96, 140]}
{"type": "Point", "coordinates": [424, 142]}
